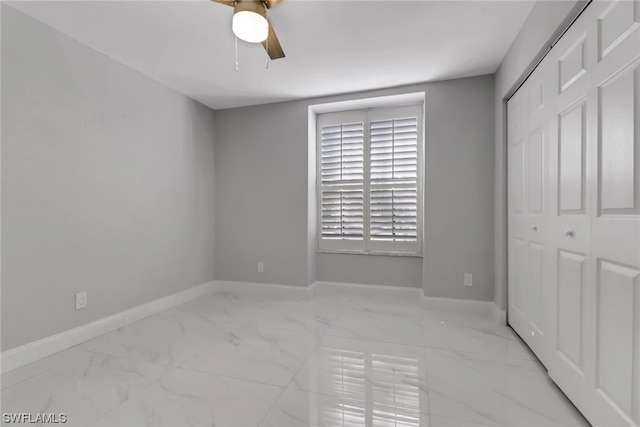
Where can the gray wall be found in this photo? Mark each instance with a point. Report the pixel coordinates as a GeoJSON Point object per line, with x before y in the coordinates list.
{"type": "Point", "coordinates": [107, 184]}
{"type": "Point", "coordinates": [459, 188]}
{"type": "Point", "coordinates": [262, 196]}
{"type": "Point", "coordinates": [541, 28]}
{"type": "Point", "coordinates": [370, 269]}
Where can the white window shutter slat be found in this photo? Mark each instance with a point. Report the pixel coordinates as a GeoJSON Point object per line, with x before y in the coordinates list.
{"type": "Point", "coordinates": [394, 214]}
{"type": "Point", "coordinates": [342, 153]}
{"type": "Point", "coordinates": [394, 150]}
{"type": "Point", "coordinates": [342, 214]}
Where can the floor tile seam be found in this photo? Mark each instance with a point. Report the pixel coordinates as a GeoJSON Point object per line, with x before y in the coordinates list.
{"type": "Point", "coordinates": [96, 419]}
{"type": "Point", "coordinates": [343, 397]}
{"type": "Point", "coordinates": [231, 377]}
{"type": "Point", "coordinates": [489, 384]}
{"type": "Point", "coordinates": [469, 421]}
{"type": "Point", "coordinates": [213, 322]}
{"type": "Point", "coordinates": [275, 402]}
{"type": "Point", "coordinates": [318, 343]}
{"type": "Point", "coordinates": [131, 359]}
{"type": "Point", "coordinates": [442, 347]}
{"type": "Point", "coordinates": [328, 334]}
{"type": "Point", "coordinates": [413, 317]}
{"type": "Point", "coordinates": [348, 399]}
{"type": "Point", "coordinates": [45, 371]}
{"type": "Point", "coordinates": [430, 324]}
{"type": "Point", "coordinates": [316, 338]}
{"type": "Point", "coordinates": [394, 306]}
{"type": "Point", "coordinates": [426, 381]}
{"type": "Point", "coordinates": [258, 326]}
{"type": "Point", "coordinates": [450, 325]}
{"type": "Point", "coordinates": [30, 377]}
{"type": "Point", "coordinates": [135, 394]}
{"type": "Point", "coordinates": [273, 405]}
{"type": "Point", "coordinates": [498, 396]}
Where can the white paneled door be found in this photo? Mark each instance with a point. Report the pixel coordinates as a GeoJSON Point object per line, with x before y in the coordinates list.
{"type": "Point", "coordinates": [574, 212]}
{"type": "Point", "coordinates": [571, 187]}
{"type": "Point", "coordinates": [528, 216]}
{"type": "Point", "coordinates": [615, 225]}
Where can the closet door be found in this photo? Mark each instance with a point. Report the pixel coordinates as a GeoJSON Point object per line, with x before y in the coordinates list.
{"type": "Point", "coordinates": [570, 149]}
{"type": "Point", "coordinates": [527, 210]}
{"type": "Point", "coordinates": [615, 314]}
{"type": "Point", "coordinates": [587, 277]}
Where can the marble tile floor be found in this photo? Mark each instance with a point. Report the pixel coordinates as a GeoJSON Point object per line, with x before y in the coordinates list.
{"type": "Point", "coordinates": [278, 359]}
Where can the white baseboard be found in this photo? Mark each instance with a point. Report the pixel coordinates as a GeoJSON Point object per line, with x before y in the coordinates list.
{"type": "Point", "coordinates": [332, 288]}
{"type": "Point", "coordinates": [487, 308]}
{"type": "Point", "coordinates": [499, 315]}
{"type": "Point", "coordinates": [261, 288]}
{"type": "Point", "coordinates": [456, 304]}
{"type": "Point", "coordinates": [44, 347]}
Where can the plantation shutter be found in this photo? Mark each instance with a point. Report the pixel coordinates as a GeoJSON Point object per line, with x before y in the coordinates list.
{"type": "Point", "coordinates": [341, 141]}
{"type": "Point", "coordinates": [369, 169]}
{"type": "Point", "coordinates": [343, 153]}
{"type": "Point", "coordinates": [394, 179]}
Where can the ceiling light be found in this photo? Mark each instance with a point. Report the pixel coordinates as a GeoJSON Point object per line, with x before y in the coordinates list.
{"type": "Point", "coordinates": [250, 21]}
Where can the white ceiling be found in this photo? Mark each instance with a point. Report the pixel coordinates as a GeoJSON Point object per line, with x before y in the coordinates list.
{"type": "Point", "coordinates": [331, 46]}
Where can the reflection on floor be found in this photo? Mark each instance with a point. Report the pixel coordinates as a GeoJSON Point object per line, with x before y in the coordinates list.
{"type": "Point", "coordinates": [274, 358]}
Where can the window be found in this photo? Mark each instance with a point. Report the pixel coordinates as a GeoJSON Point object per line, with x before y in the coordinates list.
{"type": "Point", "coordinates": [369, 181]}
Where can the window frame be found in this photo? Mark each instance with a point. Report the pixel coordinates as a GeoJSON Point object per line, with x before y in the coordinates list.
{"type": "Point", "coordinates": [367, 246]}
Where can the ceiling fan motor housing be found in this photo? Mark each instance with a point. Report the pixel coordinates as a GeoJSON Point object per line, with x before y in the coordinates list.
{"type": "Point", "coordinates": [250, 6]}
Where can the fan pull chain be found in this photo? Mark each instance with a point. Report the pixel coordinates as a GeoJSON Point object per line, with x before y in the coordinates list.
{"type": "Point", "coordinates": [236, 53]}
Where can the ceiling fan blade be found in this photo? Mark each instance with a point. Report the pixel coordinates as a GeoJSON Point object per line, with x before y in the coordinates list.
{"type": "Point", "coordinates": [268, 3]}
{"type": "Point", "coordinates": [271, 3]}
{"type": "Point", "coordinates": [225, 2]}
{"type": "Point", "coordinates": [272, 45]}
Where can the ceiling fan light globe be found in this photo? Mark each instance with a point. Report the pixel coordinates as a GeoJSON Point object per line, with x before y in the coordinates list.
{"type": "Point", "coordinates": [250, 26]}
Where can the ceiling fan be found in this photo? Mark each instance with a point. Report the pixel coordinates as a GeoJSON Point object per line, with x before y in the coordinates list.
{"type": "Point", "coordinates": [250, 23]}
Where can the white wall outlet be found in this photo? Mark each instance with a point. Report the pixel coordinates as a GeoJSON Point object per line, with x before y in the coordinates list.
{"type": "Point", "coordinates": [260, 267]}
{"type": "Point", "coordinates": [468, 279]}
{"type": "Point", "coordinates": [81, 300]}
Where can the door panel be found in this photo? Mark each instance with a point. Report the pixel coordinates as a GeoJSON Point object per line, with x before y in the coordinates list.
{"type": "Point", "coordinates": [618, 309]}
{"type": "Point", "coordinates": [572, 65]}
{"type": "Point", "coordinates": [571, 279]}
{"type": "Point", "coordinates": [571, 161]}
{"type": "Point", "coordinates": [517, 178]}
{"type": "Point", "coordinates": [534, 290]}
{"type": "Point", "coordinates": [536, 172]}
{"type": "Point", "coordinates": [618, 191]}
{"type": "Point", "coordinates": [616, 23]}
{"type": "Point", "coordinates": [519, 275]}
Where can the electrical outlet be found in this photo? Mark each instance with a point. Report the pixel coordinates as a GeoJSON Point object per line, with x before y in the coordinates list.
{"type": "Point", "coordinates": [468, 279]}
{"type": "Point", "coordinates": [81, 300]}
{"type": "Point", "coordinates": [260, 267]}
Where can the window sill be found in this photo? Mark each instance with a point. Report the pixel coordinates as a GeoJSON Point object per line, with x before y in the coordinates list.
{"type": "Point", "coordinates": [398, 254]}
